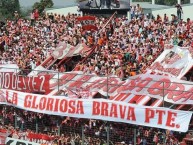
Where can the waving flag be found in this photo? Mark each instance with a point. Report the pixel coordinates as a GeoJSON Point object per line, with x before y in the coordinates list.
{"type": "Point", "coordinates": [3, 135]}
{"type": "Point", "coordinates": [87, 23]}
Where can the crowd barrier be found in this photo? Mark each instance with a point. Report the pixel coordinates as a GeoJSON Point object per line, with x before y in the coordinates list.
{"type": "Point", "coordinates": [84, 130]}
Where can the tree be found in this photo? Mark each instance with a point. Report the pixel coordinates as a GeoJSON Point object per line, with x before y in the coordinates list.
{"type": "Point", "coordinates": [47, 3]}
{"type": "Point", "coordinates": [38, 6]}
{"type": "Point", "coordinates": [17, 6]}
{"type": "Point", "coordinates": [42, 5]}
{"type": "Point", "coordinates": [164, 2]}
{"type": "Point", "coordinates": [8, 7]}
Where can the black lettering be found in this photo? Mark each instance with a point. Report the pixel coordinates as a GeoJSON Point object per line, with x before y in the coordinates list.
{"type": "Point", "coordinates": [9, 142]}
{"type": "Point", "coordinates": [21, 143]}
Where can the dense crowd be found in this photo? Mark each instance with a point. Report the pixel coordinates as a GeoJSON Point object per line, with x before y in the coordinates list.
{"type": "Point", "coordinates": [42, 128]}
{"type": "Point", "coordinates": [124, 48]}
{"type": "Point", "coordinates": [127, 47]}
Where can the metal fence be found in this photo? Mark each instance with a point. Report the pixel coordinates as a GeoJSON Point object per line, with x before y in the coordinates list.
{"type": "Point", "coordinates": [164, 88]}
{"type": "Point", "coordinates": [86, 131]}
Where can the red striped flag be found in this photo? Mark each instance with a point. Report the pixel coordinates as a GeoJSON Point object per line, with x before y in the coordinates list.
{"type": "Point", "coordinates": [3, 135]}
{"type": "Point", "coordinates": [87, 23]}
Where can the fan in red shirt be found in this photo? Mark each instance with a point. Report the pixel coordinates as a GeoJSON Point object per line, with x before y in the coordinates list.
{"type": "Point", "coordinates": [36, 14]}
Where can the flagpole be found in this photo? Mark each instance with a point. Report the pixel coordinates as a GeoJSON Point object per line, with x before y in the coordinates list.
{"type": "Point", "coordinates": [108, 125]}
{"type": "Point", "coordinates": [94, 47]}
{"type": "Point", "coordinates": [107, 22]}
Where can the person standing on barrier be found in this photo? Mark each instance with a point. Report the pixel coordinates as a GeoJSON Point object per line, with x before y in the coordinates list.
{"type": "Point", "coordinates": [179, 11]}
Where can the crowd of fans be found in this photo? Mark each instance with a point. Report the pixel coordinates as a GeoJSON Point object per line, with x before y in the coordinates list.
{"type": "Point", "coordinates": [124, 48]}
{"type": "Point", "coordinates": [42, 128]}
{"type": "Point", "coordinates": [127, 47]}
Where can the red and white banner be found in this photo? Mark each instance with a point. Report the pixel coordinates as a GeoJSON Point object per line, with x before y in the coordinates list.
{"type": "Point", "coordinates": [3, 135]}
{"type": "Point", "coordinates": [174, 62]}
{"type": "Point", "coordinates": [38, 136]}
{"type": "Point", "coordinates": [169, 89]}
{"type": "Point", "coordinates": [81, 49]}
{"type": "Point", "coordinates": [86, 18]}
{"type": "Point", "coordinates": [161, 87]}
{"type": "Point", "coordinates": [2, 138]}
{"type": "Point", "coordinates": [87, 22]}
{"type": "Point", "coordinates": [100, 109]}
{"type": "Point", "coordinates": [62, 50]}
{"type": "Point", "coordinates": [65, 50]}
{"type": "Point", "coordinates": [12, 141]}
{"type": "Point", "coordinates": [9, 80]}
{"type": "Point", "coordinates": [9, 68]}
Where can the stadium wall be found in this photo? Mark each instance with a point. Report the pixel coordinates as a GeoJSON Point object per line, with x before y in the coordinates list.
{"type": "Point", "coordinates": [186, 12]}
{"type": "Point", "coordinates": [64, 11]}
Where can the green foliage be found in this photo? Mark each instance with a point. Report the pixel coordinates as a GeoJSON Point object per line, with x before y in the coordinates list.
{"type": "Point", "coordinates": [38, 6]}
{"type": "Point", "coordinates": [42, 5]}
{"type": "Point", "coordinates": [164, 2]}
{"type": "Point", "coordinates": [47, 3]}
{"type": "Point", "coordinates": [25, 13]}
{"type": "Point", "coordinates": [8, 7]}
{"type": "Point", "coordinates": [17, 6]}
{"type": "Point", "coordinates": [142, 0]}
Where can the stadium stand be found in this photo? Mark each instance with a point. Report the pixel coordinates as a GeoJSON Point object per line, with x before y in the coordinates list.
{"type": "Point", "coordinates": [125, 48]}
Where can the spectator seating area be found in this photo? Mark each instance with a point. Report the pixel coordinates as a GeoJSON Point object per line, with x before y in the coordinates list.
{"type": "Point", "coordinates": [124, 48]}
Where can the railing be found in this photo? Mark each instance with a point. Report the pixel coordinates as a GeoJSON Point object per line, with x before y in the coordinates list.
{"type": "Point", "coordinates": [86, 131]}
{"type": "Point", "coordinates": [60, 85]}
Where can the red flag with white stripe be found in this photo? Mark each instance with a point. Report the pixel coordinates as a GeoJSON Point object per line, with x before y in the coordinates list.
{"type": "Point", "coordinates": [3, 135]}
{"type": "Point", "coordinates": [87, 23]}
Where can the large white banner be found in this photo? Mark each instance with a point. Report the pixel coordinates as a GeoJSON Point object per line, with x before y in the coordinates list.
{"type": "Point", "coordinates": [174, 62]}
{"type": "Point", "coordinates": [65, 50]}
{"type": "Point", "coordinates": [100, 109]}
{"type": "Point", "coordinates": [3, 136]}
{"type": "Point", "coordinates": [161, 87]}
{"type": "Point", "coordinates": [14, 68]}
{"type": "Point", "coordinates": [171, 90]}
{"type": "Point", "coordinates": [12, 141]}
